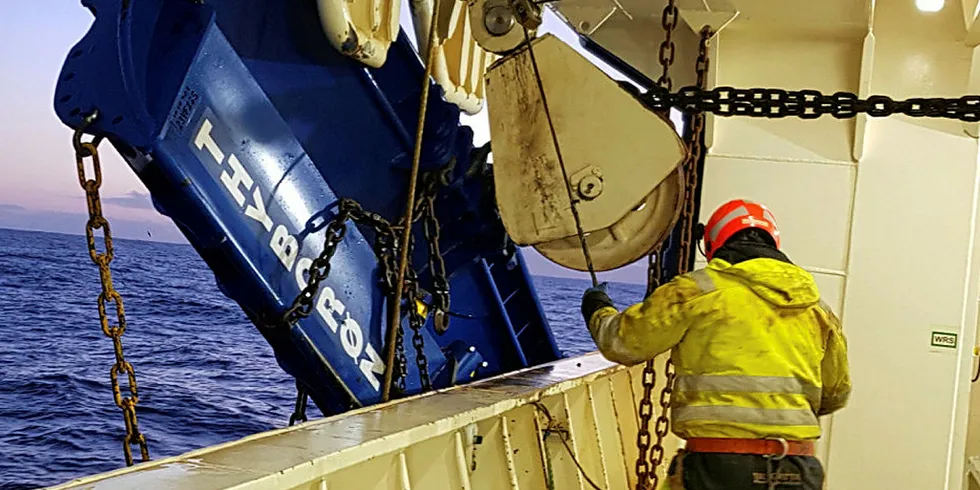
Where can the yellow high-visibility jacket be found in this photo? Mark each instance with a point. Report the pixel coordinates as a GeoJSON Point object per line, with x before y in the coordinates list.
{"type": "Point", "coordinates": [756, 352]}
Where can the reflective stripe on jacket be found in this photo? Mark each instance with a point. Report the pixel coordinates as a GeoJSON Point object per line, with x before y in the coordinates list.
{"type": "Point", "coordinates": [757, 353]}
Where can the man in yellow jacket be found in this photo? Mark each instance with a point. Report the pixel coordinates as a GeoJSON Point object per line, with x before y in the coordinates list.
{"type": "Point", "coordinates": [758, 356]}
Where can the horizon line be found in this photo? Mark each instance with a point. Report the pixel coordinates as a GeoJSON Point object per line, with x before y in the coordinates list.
{"type": "Point", "coordinates": [185, 244]}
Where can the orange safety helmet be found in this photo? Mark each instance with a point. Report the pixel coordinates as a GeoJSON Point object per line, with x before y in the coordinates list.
{"type": "Point", "coordinates": [733, 217]}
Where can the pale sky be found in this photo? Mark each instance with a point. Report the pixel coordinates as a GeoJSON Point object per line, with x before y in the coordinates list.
{"type": "Point", "coordinates": [39, 187]}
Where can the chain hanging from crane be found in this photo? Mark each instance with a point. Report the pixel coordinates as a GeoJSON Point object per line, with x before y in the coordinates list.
{"type": "Point", "coordinates": [299, 411]}
{"type": "Point", "coordinates": [399, 280]}
{"type": "Point", "coordinates": [84, 150]}
{"type": "Point", "coordinates": [687, 239]}
{"type": "Point", "coordinates": [386, 251]}
{"type": "Point", "coordinates": [666, 54]}
{"type": "Point", "coordinates": [394, 327]}
{"type": "Point", "coordinates": [645, 475]}
{"type": "Point", "coordinates": [437, 266]}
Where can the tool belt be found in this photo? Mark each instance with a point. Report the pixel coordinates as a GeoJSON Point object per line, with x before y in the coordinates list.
{"type": "Point", "coordinates": [777, 448]}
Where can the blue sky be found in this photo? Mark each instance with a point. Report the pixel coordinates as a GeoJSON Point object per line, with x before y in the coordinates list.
{"type": "Point", "coordinates": [39, 188]}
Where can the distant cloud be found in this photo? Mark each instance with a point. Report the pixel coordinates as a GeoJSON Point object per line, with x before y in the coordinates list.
{"type": "Point", "coordinates": [132, 199]}
{"type": "Point", "coordinates": [10, 207]}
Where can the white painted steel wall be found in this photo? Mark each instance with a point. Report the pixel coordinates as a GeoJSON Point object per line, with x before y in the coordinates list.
{"type": "Point", "coordinates": [883, 215]}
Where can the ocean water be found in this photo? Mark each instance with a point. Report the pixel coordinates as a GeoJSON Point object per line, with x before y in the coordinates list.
{"type": "Point", "coordinates": [205, 374]}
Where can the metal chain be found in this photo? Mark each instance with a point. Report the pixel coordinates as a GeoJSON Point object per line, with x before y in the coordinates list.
{"type": "Point", "coordinates": [401, 362]}
{"type": "Point", "coordinates": [807, 104]}
{"type": "Point", "coordinates": [753, 102]}
{"type": "Point", "coordinates": [416, 321]}
{"type": "Point", "coordinates": [425, 211]}
{"type": "Point", "coordinates": [668, 20]}
{"type": "Point", "coordinates": [386, 251]}
{"type": "Point", "coordinates": [386, 248]}
{"type": "Point", "coordinates": [662, 426]}
{"type": "Point", "coordinates": [649, 380]}
{"type": "Point", "coordinates": [96, 221]}
{"type": "Point", "coordinates": [394, 326]}
{"type": "Point", "coordinates": [299, 412]}
{"type": "Point", "coordinates": [437, 267]}
{"type": "Point", "coordinates": [691, 164]}
{"type": "Point", "coordinates": [686, 243]}
{"type": "Point", "coordinates": [302, 306]}
{"type": "Point", "coordinates": [647, 476]}
{"type": "Point", "coordinates": [654, 269]}
{"type": "Point", "coordinates": [643, 435]}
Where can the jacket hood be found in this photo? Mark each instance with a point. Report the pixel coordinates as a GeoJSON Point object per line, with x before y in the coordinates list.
{"type": "Point", "coordinates": [779, 283]}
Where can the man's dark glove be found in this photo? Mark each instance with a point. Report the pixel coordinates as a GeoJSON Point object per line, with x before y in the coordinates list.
{"type": "Point", "coordinates": [595, 298]}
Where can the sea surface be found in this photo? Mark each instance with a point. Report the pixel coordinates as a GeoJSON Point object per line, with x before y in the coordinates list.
{"type": "Point", "coordinates": [205, 374]}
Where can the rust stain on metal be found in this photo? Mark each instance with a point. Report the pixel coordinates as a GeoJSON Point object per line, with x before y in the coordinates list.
{"type": "Point", "coordinates": [351, 45]}
{"type": "Point", "coordinates": [543, 182]}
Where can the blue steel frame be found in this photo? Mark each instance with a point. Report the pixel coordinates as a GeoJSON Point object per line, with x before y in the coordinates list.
{"type": "Point", "coordinates": [246, 126]}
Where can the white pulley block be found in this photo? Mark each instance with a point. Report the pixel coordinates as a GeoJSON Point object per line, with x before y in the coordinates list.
{"type": "Point", "coordinates": [622, 160]}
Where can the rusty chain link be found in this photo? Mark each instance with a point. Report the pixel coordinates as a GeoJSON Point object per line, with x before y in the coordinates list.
{"type": "Point", "coordinates": [437, 267]}
{"type": "Point", "coordinates": [416, 321]}
{"type": "Point", "coordinates": [662, 426]}
{"type": "Point", "coordinates": [84, 150]}
{"type": "Point", "coordinates": [386, 251]}
{"type": "Point", "coordinates": [669, 19]}
{"type": "Point", "coordinates": [643, 435]}
{"type": "Point", "coordinates": [654, 270]}
{"type": "Point", "coordinates": [302, 306]}
{"type": "Point", "coordinates": [426, 212]}
{"type": "Point", "coordinates": [647, 477]}
{"type": "Point", "coordinates": [401, 362]}
{"type": "Point", "coordinates": [687, 240]}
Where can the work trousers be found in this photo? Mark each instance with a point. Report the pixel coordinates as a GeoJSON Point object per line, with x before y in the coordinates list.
{"type": "Point", "coordinates": [717, 471]}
